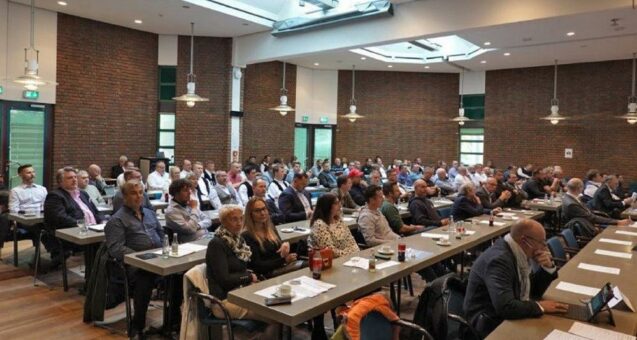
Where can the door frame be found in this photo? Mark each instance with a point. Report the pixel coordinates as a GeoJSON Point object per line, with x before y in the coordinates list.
{"type": "Point", "coordinates": [310, 141]}
{"type": "Point", "coordinates": [5, 109]}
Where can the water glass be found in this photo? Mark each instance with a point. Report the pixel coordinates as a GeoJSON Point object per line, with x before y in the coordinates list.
{"type": "Point", "coordinates": [83, 227]}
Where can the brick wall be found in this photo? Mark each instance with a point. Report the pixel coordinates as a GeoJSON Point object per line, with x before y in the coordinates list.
{"type": "Point", "coordinates": [591, 93]}
{"type": "Point", "coordinates": [265, 131]}
{"type": "Point", "coordinates": [203, 132]}
{"type": "Point", "coordinates": [107, 94]}
{"type": "Point", "coordinates": [406, 116]}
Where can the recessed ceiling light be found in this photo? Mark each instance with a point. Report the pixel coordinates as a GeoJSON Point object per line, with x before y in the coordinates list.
{"type": "Point", "coordinates": [62, 3]}
{"type": "Point", "coordinates": [137, 21]}
{"type": "Point", "coordinates": [427, 67]}
{"type": "Point", "coordinates": [570, 34]}
{"type": "Point", "coordinates": [316, 64]}
{"type": "Point", "coordinates": [483, 62]}
{"type": "Point", "coordinates": [363, 58]}
{"type": "Point", "coordinates": [506, 54]}
{"type": "Point", "coordinates": [390, 66]}
{"type": "Point", "coordinates": [487, 43]}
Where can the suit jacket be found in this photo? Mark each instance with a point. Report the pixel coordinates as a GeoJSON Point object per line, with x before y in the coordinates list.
{"type": "Point", "coordinates": [517, 195]}
{"type": "Point", "coordinates": [211, 178]}
{"type": "Point", "coordinates": [493, 291]}
{"type": "Point", "coordinates": [423, 212]}
{"type": "Point", "coordinates": [573, 208]}
{"type": "Point", "coordinates": [61, 211]}
{"type": "Point", "coordinates": [603, 201]}
{"type": "Point", "coordinates": [116, 170]}
{"type": "Point", "coordinates": [464, 208]}
{"type": "Point", "coordinates": [489, 200]}
{"type": "Point", "coordinates": [534, 189]}
{"type": "Point", "coordinates": [357, 193]}
{"type": "Point", "coordinates": [291, 206]}
{"type": "Point", "coordinates": [275, 214]}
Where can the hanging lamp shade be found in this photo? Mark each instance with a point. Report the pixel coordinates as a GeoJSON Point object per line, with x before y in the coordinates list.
{"type": "Point", "coordinates": [554, 117]}
{"type": "Point", "coordinates": [352, 115]}
{"type": "Point", "coordinates": [461, 119]}
{"type": "Point", "coordinates": [283, 108]}
{"type": "Point", "coordinates": [631, 115]}
{"type": "Point", "coordinates": [191, 98]}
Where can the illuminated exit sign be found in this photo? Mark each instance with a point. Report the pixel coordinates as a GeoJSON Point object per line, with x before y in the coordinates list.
{"type": "Point", "coordinates": [32, 95]}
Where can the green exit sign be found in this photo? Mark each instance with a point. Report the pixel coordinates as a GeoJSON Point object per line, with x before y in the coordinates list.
{"type": "Point", "coordinates": [33, 95]}
{"type": "Point", "coordinates": [306, 119]}
{"type": "Point", "coordinates": [324, 120]}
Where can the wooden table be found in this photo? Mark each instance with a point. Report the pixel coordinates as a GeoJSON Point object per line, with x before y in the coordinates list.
{"type": "Point", "coordinates": [353, 283]}
{"type": "Point", "coordinates": [25, 220]}
{"type": "Point", "coordinates": [626, 281]}
{"type": "Point", "coordinates": [630, 213]}
{"type": "Point", "coordinates": [89, 243]}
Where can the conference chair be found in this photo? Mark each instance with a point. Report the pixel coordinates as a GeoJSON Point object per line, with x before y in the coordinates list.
{"type": "Point", "coordinates": [572, 242]}
{"type": "Point", "coordinates": [560, 255]}
{"type": "Point", "coordinates": [374, 326]}
{"type": "Point", "coordinates": [45, 233]}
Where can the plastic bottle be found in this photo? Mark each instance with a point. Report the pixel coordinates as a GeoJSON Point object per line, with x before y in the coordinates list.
{"type": "Point", "coordinates": [165, 250]}
{"type": "Point", "coordinates": [175, 246]}
{"type": "Point", "coordinates": [317, 265]}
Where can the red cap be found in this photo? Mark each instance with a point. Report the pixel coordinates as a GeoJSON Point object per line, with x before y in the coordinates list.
{"type": "Point", "coordinates": [355, 173]}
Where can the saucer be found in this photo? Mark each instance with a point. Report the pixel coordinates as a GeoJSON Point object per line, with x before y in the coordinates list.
{"type": "Point", "coordinates": [386, 252]}
{"type": "Point", "coordinates": [276, 294]}
{"type": "Point", "coordinates": [443, 244]}
{"type": "Point", "coordinates": [287, 230]}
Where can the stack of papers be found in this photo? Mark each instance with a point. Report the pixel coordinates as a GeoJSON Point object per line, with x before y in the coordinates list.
{"type": "Point", "coordinates": [97, 227]}
{"type": "Point", "coordinates": [185, 249]}
{"type": "Point", "coordinates": [557, 334]}
{"type": "Point", "coordinates": [363, 263]}
{"type": "Point", "coordinates": [613, 253]}
{"type": "Point", "coordinates": [599, 269]}
{"type": "Point", "coordinates": [302, 287]}
{"type": "Point", "coordinates": [578, 289]}
{"type": "Point", "coordinates": [614, 241]}
{"type": "Point", "coordinates": [434, 235]}
{"type": "Point", "coordinates": [623, 232]}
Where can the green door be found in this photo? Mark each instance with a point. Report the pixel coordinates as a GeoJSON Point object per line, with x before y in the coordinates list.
{"type": "Point", "coordinates": [26, 142]}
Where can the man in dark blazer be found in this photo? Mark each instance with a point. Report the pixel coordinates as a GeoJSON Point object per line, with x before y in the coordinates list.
{"type": "Point", "coordinates": [606, 201]}
{"type": "Point", "coordinates": [422, 209]}
{"type": "Point", "coordinates": [572, 207]}
{"type": "Point", "coordinates": [502, 283]}
{"type": "Point", "coordinates": [296, 203]}
{"type": "Point", "coordinates": [534, 187]}
{"type": "Point", "coordinates": [487, 194]}
{"type": "Point", "coordinates": [467, 204]}
{"type": "Point", "coordinates": [119, 169]}
{"type": "Point", "coordinates": [63, 207]}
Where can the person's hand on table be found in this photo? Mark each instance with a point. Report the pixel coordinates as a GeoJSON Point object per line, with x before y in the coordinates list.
{"type": "Point", "coordinates": [553, 307]}
{"type": "Point", "coordinates": [496, 210]}
{"type": "Point", "coordinates": [254, 278]}
{"type": "Point", "coordinates": [290, 258]}
{"type": "Point", "coordinates": [624, 222]}
{"type": "Point", "coordinates": [284, 250]}
{"type": "Point", "coordinates": [444, 221]}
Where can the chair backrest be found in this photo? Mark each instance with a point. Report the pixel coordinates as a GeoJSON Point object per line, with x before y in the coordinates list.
{"type": "Point", "coordinates": [570, 239]}
{"type": "Point", "coordinates": [444, 213]}
{"type": "Point", "coordinates": [109, 190]}
{"type": "Point", "coordinates": [454, 289]}
{"type": "Point", "coordinates": [374, 326]}
{"type": "Point", "coordinates": [431, 312]}
{"type": "Point", "coordinates": [555, 246]}
{"type": "Point", "coordinates": [358, 236]}
{"type": "Point", "coordinates": [581, 227]}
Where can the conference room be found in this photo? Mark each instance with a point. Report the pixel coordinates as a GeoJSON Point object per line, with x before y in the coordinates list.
{"type": "Point", "coordinates": [318, 169]}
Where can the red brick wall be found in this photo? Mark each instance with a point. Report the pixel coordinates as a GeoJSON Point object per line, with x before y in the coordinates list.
{"type": "Point", "coordinates": [107, 94]}
{"type": "Point", "coordinates": [406, 116]}
{"type": "Point", "coordinates": [590, 93]}
{"type": "Point", "coordinates": [203, 132]}
{"type": "Point", "coordinates": [265, 131]}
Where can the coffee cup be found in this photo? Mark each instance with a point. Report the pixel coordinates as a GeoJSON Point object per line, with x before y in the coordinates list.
{"type": "Point", "coordinates": [444, 240]}
{"type": "Point", "coordinates": [385, 249]}
{"type": "Point", "coordinates": [284, 290]}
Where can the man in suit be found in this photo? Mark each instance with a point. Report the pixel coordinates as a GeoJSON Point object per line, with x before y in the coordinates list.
{"type": "Point", "coordinates": [294, 202]}
{"type": "Point", "coordinates": [119, 169]}
{"type": "Point", "coordinates": [488, 197]}
{"type": "Point", "coordinates": [467, 204]}
{"type": "Point", "coordinates": [259, 187]}
{"type": "Point", "coordinates": [514, 186]}
{"type": "Point", "coordinates": [64, 207]}
{"type": "Point", "coordinates": [573, 207]}
{"type": "Point", "coordinates": [422, 209]}
{"type": "Point", "coordinates": [605, 199]}
{"type": "Point", "coordinates": [534, 187]}
{"type": "Point", "coordinates": [209, 173]}
{"type": "Point", "coordinates": [506, 278]}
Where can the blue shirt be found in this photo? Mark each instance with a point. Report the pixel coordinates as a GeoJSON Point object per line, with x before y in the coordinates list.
{"type": "Point", "coordinates": [125, 233]}
{"type": "Point", "coordinates": [405, 179]}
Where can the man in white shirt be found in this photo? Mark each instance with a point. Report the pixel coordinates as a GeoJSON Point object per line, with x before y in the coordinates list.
{"type": "Point", "coordinates": [461, 178]}
{"type": "Point", "coordinates": [594, 182]}
{"type": "Point", "coordinates": [203, 187]}
{"type": "Point", "coordinates": [278, 184]}
{"type": "Point", "coordinates": [186, 168]}
{"type": "Point", "coordinates": [478, 177]}
{"type": "Point", "coordinates": [27, 196]}
{"type": "Point", "coordinates": [209, 173]}
{"type": "Point", "coordinates": [245, 189]}
{"type": "Point", "coordinates": [158, 180]}
{"type": "Point", "coordinates": [130, 165]}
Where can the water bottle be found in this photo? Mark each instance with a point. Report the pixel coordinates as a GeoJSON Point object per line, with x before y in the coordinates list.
{"type": "Point", "coordinates": [317, 265]}
{"type": "Point", "coordinates": [551, 199]}
{"type": "Point", "coordinates": [165, 250]}
{"type": "Point", "coordinates": [175, 246]}
{"type": "Point", "coordinates": [491, 219]}
{"type": "Point", "coordinates": [452, 228]}
{"type": "Point", "coordinates": [546, 198]}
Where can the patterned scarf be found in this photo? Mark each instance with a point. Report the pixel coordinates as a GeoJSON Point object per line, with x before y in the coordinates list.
{"type": "Point", "coordinates": [236, 243]}
{"type": "Point", "coordinates": [524, 268]}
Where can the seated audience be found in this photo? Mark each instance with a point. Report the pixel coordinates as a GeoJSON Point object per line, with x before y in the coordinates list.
{"type": "Point", "coordinates": [96, 179]}
{"type": "Point", "coordinates": [245, 189]}
{"type": "Point", "coordinates": [594, 181]}
{"type": "Point", "coordinates": [174, 173]}
{"type": "Point", "coordinates": [119, 169]}
{"type": "Point", "coordinates": [467, 204]}
{"type": "Point", "coordinates": [158, 180]}
{"type": "Point", "coordinates": [534, 187]}
{"type": "Point", "coordinates": [375, 177]}
{"type": "Point", "coordinates": [337, 167]}
{"type": "Point", "coordinates": [526, 172]}
{"type": "Point", "coordinates": [573, 207]}
{"type": "Point", "coordinates": [404, 177]}
{"type": "Point", "coordinates": [269, 255]}
{"type": "Point", "coordinates": [276, 187]}
{"type": "Point", "coordinates": [118, 198]}
{"type": "Point", "coordinates": [182, 215]}
{"type": "Point", "coordinates": [391, 213]}
{"type": "Point", "coordinates": [453, 170]}
{"type": "Point", "coordinates": [488, 197]}
{"type": "Point", "coordinates": [328, 230]}
{"type": "Point", "coordinates": [461, 178]}
{"type": "Point", "coordinates": [317, 168]}
{"type": "Point", "coordinates": [266, 162]}
{"type": "Point", "coordinates": [131, 229]}
{"type": "Point", "coordinates": [326, 178]}
{"type": "Point", "coordinates": [422, 209]}
{"type": "Point", "coordinates": [514, 186]}
{"type": "Point", "coordinates": [445, 183]}
{"type": "Point", "coordinates": [186, 168]}
{"type": "Point", "coordinates": [91, 190]}
{"type": "Point", "coordinates": [130, 165]}
{"type": "Point", "coordinates": [209, 173]}
{"type": "Point", "coordinates": [295, 203]}
{"type": "Point", "coordinates": [226, 194]}
{"type": "Point", "coordinates": [358, 188]}
{"type": "Point", "coordinates": [508, 277]}
{"type": "Point", "coordinates": [275, 214]}
{"type": "Point", "coordinates": [296, 169]}
{"type": "Point", "coordinates": [27, 196]}
{"type": "Point", "coordinates": [367, 168]}
{"type": "Point", "coordinates": [371, 222]}
{"type": "Point", "coordinates": [202, 189]}
{"type": "Point", "coordinates": [234, 175]}
{"type": "Point", "coordinates": [478, 177]}
{"type": "Point", "coordinates": [606, 201]}
{"type": "Point", "coordinates": [344, 184]}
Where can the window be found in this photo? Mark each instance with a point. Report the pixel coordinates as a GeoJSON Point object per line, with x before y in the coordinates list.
{"type": "Point", "coordinates": [26, 142]}
{"type": "Point", "coordinates": [471, 145]}
{"type": "Point", "coordinates": [166, 135]}
{"type": "Point", "coordinates": [167, 82]}
{"type": "Point", "coordinates": [300, 145]}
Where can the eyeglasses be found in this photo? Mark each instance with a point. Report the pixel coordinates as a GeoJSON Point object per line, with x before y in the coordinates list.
{"type": "Point", "coordinates": [542, 242]}
{"type": "Point", "coordinates": [260, 210]}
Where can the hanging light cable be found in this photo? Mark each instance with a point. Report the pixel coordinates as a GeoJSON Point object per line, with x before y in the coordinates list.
{"type": "Point", "coordinates": [555, 116]}
{"type": "Point", "coordinates": [31, 79]}
{"type": "Point", "coordinates": [631, 116]}
{"type": "Point", "coordinates": [283, 107]}
{"type": "Point", "coordinates": [352, 115]}
{"type": "Point", "coordinates": [191, 97]}
{"type": "Point", "coordinates": [461, 119]}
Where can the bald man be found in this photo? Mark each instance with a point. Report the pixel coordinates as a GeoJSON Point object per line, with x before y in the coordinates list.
{"type": "Point", "coordinates": [503, 281]}
{"type": "Point", "coordinates": [422, 209]}
{"type": "Point", "coordinates": [573, 207]}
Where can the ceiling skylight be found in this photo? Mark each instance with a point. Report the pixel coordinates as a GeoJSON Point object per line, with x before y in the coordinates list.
{"type": "Point", "coordinates": [424, 51]}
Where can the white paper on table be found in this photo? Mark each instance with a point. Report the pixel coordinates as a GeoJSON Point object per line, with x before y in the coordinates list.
{"type": "Point", "coordinates": [592, 332]}
{"type": "Point", "coordinates": [180, 253]}
{"type": "Point", "coordinates": [357, 262]}
{"type": "Point", "coordinates": [600, 269]}
{"type": "Point", "coordinates": [624, 232]}
{"type": "Point", "coordinates": [619, 297]}
{"type": "Point", "coordinates": [499, 224]}
{"type": "Point", "coordinates": [348, 219]}
{"type": "Point", "coordinates": [578, 289]}
{"type": "Point", "coordinates": [614, 241]}
{"type": "Point", "coordinates": [507, 214]}
{"type": "Point", "coordinates": [469, 232]}
{"type": "Point", "coordinates": [634, 225]}
{"type": "Point", "coordinates": [386, 264]}
{"type": "Point", "coordinates": [307, 287]}
{"type": "Point", "coordinates": [613, 253]}
{"type": "Point", "coordinates": [192, 247]}
{"type": "Point", "coordinates": [557, 334]}
{"type": "Point", "coordinates": [97, 227]}
{"type": "Point", "coordinates": [434, 235]}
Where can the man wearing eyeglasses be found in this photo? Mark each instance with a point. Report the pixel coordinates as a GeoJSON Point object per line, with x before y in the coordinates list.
{"type": "Point", "coordinates": [508, 277]}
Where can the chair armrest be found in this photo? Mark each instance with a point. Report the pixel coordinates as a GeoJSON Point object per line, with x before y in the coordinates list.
{"type": "Point", "coordinates": [559, 262]}
{"type": "Point", "coordinates": [413, 327]}
{"type": "Point", "coordinates": [600, 213]}
{"type": "Point", "coordinates": [464, 322]}
{"type": "Point", "coordinates": [571, 251]}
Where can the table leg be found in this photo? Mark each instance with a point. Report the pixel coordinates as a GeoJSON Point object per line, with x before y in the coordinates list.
{"type": "Point", "coordinates": [398, 293]}
{"type": "Point", "coordinates": [15, 244]}
{"type": "Point", "coordinates": [90, 251]}
{"type": "Point", "coordinates": [168, 306]}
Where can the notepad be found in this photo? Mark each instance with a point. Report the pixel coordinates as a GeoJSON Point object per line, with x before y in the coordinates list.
{"type": "Point", "coordinates": [577, 289]}
{"type": "Point", "coordinates": [614, 253]}
{"type": "Point", "coordinates": [623, 232]}
{"type": "Point", "coordinates": [433, 235]}
{"type": "Point", "coordinates": [97, 227]}
{"type": "Point", "coordinates": [614, 241]}
{"type": "Point", "coordinates": [599, 269]}
{"type": "Point", "coordinates": [557, 334]}
{"type": "Point", "coordinates": [592, 332]}
{"type": "Point", "coordinates": [348, 219]}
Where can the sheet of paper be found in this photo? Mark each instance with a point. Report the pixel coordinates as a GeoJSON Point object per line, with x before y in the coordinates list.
{"type": "Point", "coordinates": [97, 227]}
{"type": "Point", "coordinates": [469, 232]}
{"type": "Point", "coordinates": [348, 219]}
{"type": "Point", "coordinates": [302, 287]}
{"type": "Point", "coordinates": [386, 264]}
{"type": "Point", "coordinates": [270, 293]}
{"type": "Point", "coordinates": [613, 253]}
{"type": "Point", "coordinates": [592, 332]}
{"type": "Point", "coordinates": [557, 334]}
{"type": "Point", "coordinates": [192, 247]}
{"type": "Point", "coordinates": [496, 223]}
{"type": "Point", "coordinates": [599, 269]}
{"type": "Point", "coordinates": [434, 235]}
{"type": "Point", "coordinates": [357, 262]}
{"type": "Point", "coordinates": [180, 253]}
{"type": "Point", "coordinates": [624, 232]}
{"type": "Point", "coordinates": [578, 289]}
{"type": "Point", "coordinates": [614, 241]}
